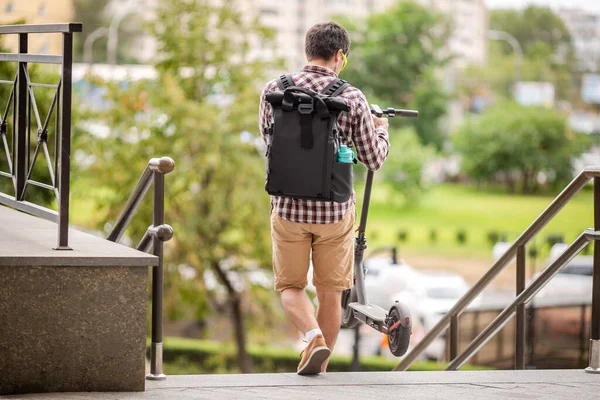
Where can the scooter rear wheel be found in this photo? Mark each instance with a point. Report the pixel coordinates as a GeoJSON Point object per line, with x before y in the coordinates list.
{"type": "Point", "coordinates": [349, 321]}
{"type": "Point", "coordinates": [399, 335]}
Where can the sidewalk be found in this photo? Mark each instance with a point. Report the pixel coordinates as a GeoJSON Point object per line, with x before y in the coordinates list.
{"type": "Point", "coordinates": [530, 384]}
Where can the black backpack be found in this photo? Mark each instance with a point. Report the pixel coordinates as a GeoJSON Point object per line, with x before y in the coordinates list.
{"type": "Point", "coordinates": [302, 153]}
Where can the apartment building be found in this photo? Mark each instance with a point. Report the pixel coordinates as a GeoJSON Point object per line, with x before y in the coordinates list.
{"type": "Point", "coordinates": [584, 28]}
{"type": "Point", "coordinates": [36, 12]}
{"type": "Point", "coordinates": [291, 19]}
{"type": "Point", "coordinates": [469, 18]}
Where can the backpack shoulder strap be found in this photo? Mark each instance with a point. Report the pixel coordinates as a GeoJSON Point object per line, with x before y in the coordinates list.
{"type": "Point", "coordinates": [335, 87]}
{"type": "Point", "coordinates": [285, 81]}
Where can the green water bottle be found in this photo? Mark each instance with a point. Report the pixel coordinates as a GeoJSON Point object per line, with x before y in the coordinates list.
{"type": "Point", "coordinates": [345, 155]}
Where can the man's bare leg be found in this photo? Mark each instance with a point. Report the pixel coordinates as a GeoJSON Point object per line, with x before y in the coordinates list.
{"type": "Point", "coordinates": [300, 309]}
{"type": "Point", "coordinates": [329, 318]}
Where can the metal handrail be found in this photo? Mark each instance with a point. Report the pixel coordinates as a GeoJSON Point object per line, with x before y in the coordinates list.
{"type": "Point", "coordinates": [23, 103]}
{"type": "Point", "coordinates": [450, 319]}
{"type": "Point", "coordinates": [154, 238]}
{"type": "Point", "coordinates": [164, 165]}
{"type": "Point", "coordinates": [499, 322]}
{"type": "Point", "coordinates": [68, 27]}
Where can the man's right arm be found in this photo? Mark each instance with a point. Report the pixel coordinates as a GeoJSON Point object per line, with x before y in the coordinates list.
{"type": "Point", "coordinates": [370, 135]}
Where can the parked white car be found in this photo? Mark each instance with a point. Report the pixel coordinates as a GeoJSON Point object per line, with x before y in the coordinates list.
{"type": "Point", "coordinates": [572, 284]}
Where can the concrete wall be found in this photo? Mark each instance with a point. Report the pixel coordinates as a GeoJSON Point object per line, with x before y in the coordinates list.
{"type": "Point", "coordinates": [68, 329]}
{"type": "Point", "coordinates": [69, 320]}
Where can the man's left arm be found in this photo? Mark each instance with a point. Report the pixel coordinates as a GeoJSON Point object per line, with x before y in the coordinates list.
{"type": "Point", "coordinates": [265, 114]}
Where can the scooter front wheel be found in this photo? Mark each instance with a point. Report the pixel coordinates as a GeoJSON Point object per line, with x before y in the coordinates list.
{"type": "Point", "coordinates": [399, 324]}
{"type": "Point", "coordinates": [349, 321]}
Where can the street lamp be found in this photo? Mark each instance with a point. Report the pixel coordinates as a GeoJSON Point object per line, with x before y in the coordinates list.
{"type": "Point", "coordinates": [514, 43]}
{"type": "Point", "coordinates": [89, 42]}
{"type": "Point", "coordinates": [113, 31]}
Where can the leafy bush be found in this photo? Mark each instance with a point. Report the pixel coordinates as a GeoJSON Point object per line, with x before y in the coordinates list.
{"type": "Point", "coordinates": [461, 237]}
{"type": "Point", "coordinates": [433, 235]}
{"type": "Point", "coordinates": [512, 144]}
{"type": "Point", "coordinates": [192, 356]}
{"type": "Point", "coordinates": [555, 238]}
{"type": "Point", "coordinates": [402, 236]}
{"type": "Point", "coordinates": [493, 237]}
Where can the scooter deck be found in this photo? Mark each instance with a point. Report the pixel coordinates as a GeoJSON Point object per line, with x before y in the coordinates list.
{"type": "Point", "coordinates": [374, 312]}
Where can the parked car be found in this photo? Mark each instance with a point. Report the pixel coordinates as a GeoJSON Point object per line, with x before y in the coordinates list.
{"type": "Point", "coordinates": [385, 280]}
{"type": "Point", "coordinates": [572, 284]}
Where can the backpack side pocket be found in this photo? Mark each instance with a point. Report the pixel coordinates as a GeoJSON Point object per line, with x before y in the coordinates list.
{"type": "Point", "coordinates": [341, 182]}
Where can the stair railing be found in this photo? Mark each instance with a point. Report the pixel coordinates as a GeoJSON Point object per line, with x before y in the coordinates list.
{"type": "Point", "coordinates": [154, 238]}
{"type": "Point", "coordinates": [523, 295]}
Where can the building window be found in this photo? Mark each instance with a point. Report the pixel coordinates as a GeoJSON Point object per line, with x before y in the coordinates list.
{"type": "Point", "coordinates": [42, 9]}
{"type": "Point", "coordinates": [8, 8]}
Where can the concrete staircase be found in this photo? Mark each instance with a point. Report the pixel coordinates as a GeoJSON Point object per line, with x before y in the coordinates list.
{"type": "Point", "coordinates": [70, 321]}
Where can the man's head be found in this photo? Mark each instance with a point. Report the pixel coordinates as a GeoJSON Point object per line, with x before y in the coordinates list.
{"type": "Point", "coordinates": [327, 44]}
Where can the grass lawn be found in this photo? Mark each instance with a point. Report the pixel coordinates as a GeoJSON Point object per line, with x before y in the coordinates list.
{"type": "Point", "coordinates": [449, 208]}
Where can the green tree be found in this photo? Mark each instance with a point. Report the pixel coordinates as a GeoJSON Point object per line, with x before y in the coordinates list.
{"type": "Point", "coordinates": [393, 59]}
{"type": "Point", "coordinates": [513, 144]}
{"type": "Point", "coordinates": [201, 111]}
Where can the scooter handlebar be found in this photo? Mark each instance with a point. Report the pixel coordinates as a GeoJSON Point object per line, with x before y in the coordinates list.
{"type": "Point", "coordinates": [393, 112]}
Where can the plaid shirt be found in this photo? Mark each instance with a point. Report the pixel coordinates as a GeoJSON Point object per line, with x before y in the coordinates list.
{"type": "Point", "coordinates": [372, 145]}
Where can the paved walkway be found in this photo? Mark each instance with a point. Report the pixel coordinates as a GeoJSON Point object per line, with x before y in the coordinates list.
{"type": "Point", "coordinates": [489, 385]}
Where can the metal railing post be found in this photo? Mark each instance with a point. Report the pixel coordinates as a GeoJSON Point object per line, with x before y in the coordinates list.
{"type": "Point", "coordinates": [582, 334]}
{"type": "Point", "coordinates": [65, 143]}
{"type": "Point", "coordinates": [520, 325]}
{"type": "Point", "coordinates": [156, 371]}
{"type": "Point", "coordinates": [21, 150]}
{"type": "Point", "coordinates": [594, 365]}
{"type": "Point", "coordinates": [453, 337]}
{"type": "Point", "coordinates": [531, 335]}
{"type": "Point", "coordinates": [474, 330]}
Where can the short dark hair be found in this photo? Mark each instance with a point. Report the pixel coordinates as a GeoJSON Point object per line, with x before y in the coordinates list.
{"type": "Point", "coordinates": [325, 39]}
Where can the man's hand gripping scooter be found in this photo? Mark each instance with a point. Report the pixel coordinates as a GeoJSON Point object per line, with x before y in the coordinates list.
{"type": "Point", "coordinates": [397, 322]}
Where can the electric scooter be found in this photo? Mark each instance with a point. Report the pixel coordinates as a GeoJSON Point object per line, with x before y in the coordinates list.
{"type": "Point", "coordinates": [396, 323]}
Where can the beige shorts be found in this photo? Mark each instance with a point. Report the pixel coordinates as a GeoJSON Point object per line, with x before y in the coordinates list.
{"type": "Point", "coordinates": [332, 248]}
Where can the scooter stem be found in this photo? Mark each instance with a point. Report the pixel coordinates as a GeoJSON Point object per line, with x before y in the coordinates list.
{"type": "Point", "coordinates": [365, 206]}
{"type": "Point", "coordinates": [361, 243]}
